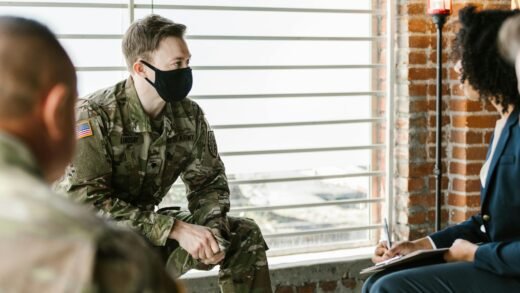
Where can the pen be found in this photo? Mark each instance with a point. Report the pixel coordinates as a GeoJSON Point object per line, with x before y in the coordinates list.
{"type": "Point", "coordinates": [387, 232]}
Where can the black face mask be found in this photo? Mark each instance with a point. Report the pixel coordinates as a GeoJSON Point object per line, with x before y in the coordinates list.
{"type": "Point", "coordinates": [171, 85]}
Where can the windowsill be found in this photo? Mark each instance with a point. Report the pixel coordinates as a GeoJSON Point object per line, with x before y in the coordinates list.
{"type": "Point", "coordinates": [299, 260]}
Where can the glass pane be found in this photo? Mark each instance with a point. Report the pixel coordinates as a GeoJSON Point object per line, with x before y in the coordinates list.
{"type": "Point", "coordinates": [221, 82]}
{"type": "Point", "coordinates": [94, 52]}
{"type": "Point", "coordinates": [224, 52]}
{"type": "Point", "coordinates": [276, 110]}
{"type": "Point", "coordinates": [296, 164]}
{"type": "Point", "coordinates": [303, 192]}
{"type": "Point", "coordinates": [254, 23]}
{"type": "Point", "coordinates": [293, 137]}
{"type": "Point", "coordinates": [91, 81]}
{"type": "Point", "coordinates": [357, 4]}
{"type": "Point", "coordinates": [75, 20]}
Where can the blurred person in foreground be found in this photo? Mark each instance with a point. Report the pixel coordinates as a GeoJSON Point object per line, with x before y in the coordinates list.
{"type": "Point", "coordinates": [48, 243]}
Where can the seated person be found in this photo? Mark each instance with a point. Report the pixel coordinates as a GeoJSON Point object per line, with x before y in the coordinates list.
{"type": "Point", "coordinates": [141, 135]}
{"type": "Point", "coordinates": [484, 251]}
{"type": "Point", "coordinates": [48, 243]}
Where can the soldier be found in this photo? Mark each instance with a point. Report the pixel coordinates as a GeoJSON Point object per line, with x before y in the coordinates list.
{"type": "Point", "coordinates": [138, 137]}
{"type": "Point", "coordinates": [48, 243]}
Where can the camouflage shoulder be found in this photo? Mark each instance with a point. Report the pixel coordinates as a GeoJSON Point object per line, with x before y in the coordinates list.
{"type": "Point", "coordinates": [102, 103]}
{"type": "Point", "coordinates": [188, 108]}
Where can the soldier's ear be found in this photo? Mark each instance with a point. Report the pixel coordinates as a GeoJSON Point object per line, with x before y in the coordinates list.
{"type": "Point", "coordinates": [54, 108]}
{"type": "Point", "coordinates": [138, 68]}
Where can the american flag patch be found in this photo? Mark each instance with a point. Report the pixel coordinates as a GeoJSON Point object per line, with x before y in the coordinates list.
{"type": "Point", "coordinates": [83, 129]}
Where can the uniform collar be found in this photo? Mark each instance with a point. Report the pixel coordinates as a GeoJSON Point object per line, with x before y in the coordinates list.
{"type": "Point", "coordinates": [137, 118]}
{"type": "Point", "coordinates": [15, 152]}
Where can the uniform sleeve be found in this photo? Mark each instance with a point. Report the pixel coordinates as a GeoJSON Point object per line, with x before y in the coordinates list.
{"type": "Point", "coordinates": [468, 230]}
{"type": "Point", "coordinates": [88, 180]}
{"type": "Point", "coordinates": [206, 181]}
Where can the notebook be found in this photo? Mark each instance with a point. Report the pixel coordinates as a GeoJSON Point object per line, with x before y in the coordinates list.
{"type": "Point", "coordinates": [406, 260]}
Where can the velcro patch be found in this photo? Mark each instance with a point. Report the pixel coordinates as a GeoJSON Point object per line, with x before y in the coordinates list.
{"type": "Point", "coordinates": [83, 129]}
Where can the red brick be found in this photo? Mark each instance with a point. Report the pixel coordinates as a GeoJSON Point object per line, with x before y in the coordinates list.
{"type": "Point", "coordinates": [417, 218]}
{"type": "Point", "coordinates": [306, 288]}
{"type": "Point", "coordinates": [417, 58]}
{"type": "Point", "coordinates": [419, 106]}
{"type": "Point", "coordinates": [421, 73]}
{"type": "Point", "coordinates": [487, 137]}
{"type": "Point", "coordinates": [474, 121]}
{"type": "Point", "coordinates": [418, 122]}
{"type": "Point", "coordinates": [433, 120]}
{"type": "Point", "coordinates": [472, 201]}
{"type": "Point", "coordinates": [420, 169]}
{"type": "Point", "coordinates": [489, 107]}
{"type": "Point", "coordinates": [349, 283]}
{"type": "Point", "coordinates": [425, 200]}
{"type": "Point", "coordinates": [328, 286]}
{"type": "Point", "coordinates": [497, 6]}
{"type": "Point", "coordinates": [420, 25]}
{"type": "Point", "coordinates": [445, 180]}
{"type": "Point", "coordinates": [465, 169]}
{"type": "Point", "coordinates": [444, 215]}
{"type": "Point", "coordinates": [284, 289]}
{"type": "Point", "coordinates": [458, 216]}
{"type": "Point", "coordinates": [466, 137]}
{"type": "Point", "coordinates": [413, 9]}
{"type": "Point", "coordinates": [432, 89]}
{"type": "Point", "coordinates": [467, 185]}
{"type": "Point", "coordinates": [470, 153]}
{"type": "Point", "coordinates": [433, 148]}
{"type": "Point", "coordinates": [486, 121]}
{"type": "Point", "coordinates": [465, 105]}
{"type": "Point", "coordinates": [421, 42]}
{"type": "Point", "coordinates": [417, 89]}
{"type": "Point", "coordinates": [415, 184]}
{"type": "Point", "coordinates": [445, 59]}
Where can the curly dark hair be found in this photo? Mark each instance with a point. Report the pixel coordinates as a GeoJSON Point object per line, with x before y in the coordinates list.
{"type": "Point", "coordinates": [482, 66]}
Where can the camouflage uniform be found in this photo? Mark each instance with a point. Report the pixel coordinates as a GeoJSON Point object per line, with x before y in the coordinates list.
{"type": "Point", "coordinates": [129, 163]}
{"type": "Point", "coordinates": [50, 244]}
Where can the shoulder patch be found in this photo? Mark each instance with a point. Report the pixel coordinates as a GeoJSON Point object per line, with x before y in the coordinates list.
{"type": "Point", "coordinates": [83, 129]}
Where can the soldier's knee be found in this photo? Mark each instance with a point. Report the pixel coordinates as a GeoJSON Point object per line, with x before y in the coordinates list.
{"type": "Point", "coordinates": [253, 230]}
{"type": "Point", "coordinates": [248, 230]}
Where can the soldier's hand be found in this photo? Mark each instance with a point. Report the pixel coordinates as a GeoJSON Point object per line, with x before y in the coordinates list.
{"type": "Point", "coordinates": [215, 259]}
{"type": "Point", "coordinates": [197, 240]}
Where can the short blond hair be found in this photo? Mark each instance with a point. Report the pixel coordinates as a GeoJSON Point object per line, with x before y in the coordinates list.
{"type": "Point", "coordinates": [144, 36]}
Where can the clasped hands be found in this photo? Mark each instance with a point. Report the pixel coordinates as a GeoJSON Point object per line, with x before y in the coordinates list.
{"type": "Point", "coordinates": [198, 241]}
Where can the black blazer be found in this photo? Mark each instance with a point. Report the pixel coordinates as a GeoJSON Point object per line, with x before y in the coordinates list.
{"type": "Point", "coordinates": [499, 209]}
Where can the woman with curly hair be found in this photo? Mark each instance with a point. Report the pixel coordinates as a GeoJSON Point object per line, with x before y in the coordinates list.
{"type": "Point", "coordinates": [484, 251]}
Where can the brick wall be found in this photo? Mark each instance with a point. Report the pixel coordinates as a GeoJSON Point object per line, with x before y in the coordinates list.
{"type": "Point", "coordinates": [467, 125]}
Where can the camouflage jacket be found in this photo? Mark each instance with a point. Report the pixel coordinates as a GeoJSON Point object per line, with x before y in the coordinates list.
{"type": "Point", "coordinates": [50, 244]}
{"type": "Point", "coordinates": [124, 167]}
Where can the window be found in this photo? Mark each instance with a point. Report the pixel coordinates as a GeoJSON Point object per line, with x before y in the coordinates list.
{"type": "Point", "coordinates": [293, 89]}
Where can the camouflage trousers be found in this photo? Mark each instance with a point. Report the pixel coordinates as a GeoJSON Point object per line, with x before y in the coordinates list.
{"type": "Point", "coordinates": [244, 268]}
